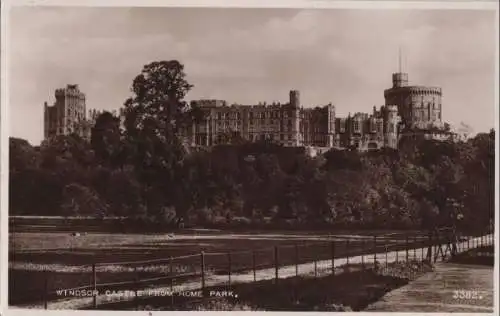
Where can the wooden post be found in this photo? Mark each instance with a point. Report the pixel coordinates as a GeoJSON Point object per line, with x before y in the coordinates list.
{"type": "Point", "coordinates": [276, 265]}
{"type": "Point", "coordinates": [94, 285]}
{"type": "Point", "coordinates": [375, 251]}
{"type": "Point", "coordinates": [171, 270]}
{"type": "Point", "coordinates": [386, 258]}
{"type": "Point", "coordinates": [253, 267]}
{"type": "Point", "coordinates": [136, 288]}
{"type": "Point", "coordinates": [363, 254]}
{"type": "Point", "coordinates": [429, 251]}
{"type": "Point", "coordinates": [347, 250]}
{"type": "Point", "coordinates": [45, 288]}
{"type": "Point", "coordinates": [414, 248]}
{"type": "Point", "coordinates": [315, 267]}
{"type": "Point", "coordinates": [422, 252]}
{"type": "Point", "coordinates": [333, 256]}
{"type": "Point", "coordinates": [468, 242]}
{"type": "Point", "coordinates": [296, 260]}
{"type": "Point", "coordinates": [202, 257]}
{"type": "Point", "coordinates": [407, 250]}
{"type": "Point", "coordinates": [229, 267]}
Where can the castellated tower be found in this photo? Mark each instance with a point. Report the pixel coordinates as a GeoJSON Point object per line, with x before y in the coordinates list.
{"type": "Point", "coordinates": [66, 114]}
{"type": "Point", "coordinates": [391, 122]}
{"type": "Point", "coordinates": [418, 106]}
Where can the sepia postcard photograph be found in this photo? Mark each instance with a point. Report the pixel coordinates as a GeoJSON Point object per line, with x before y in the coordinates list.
{"type": "Point", "coordinates": [267, 157]}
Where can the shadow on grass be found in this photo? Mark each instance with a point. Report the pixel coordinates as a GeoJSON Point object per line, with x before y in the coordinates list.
{"type": "Point", "coordinates": [352, 290]}
{"type": "Point", "coordinates": [480, 256]}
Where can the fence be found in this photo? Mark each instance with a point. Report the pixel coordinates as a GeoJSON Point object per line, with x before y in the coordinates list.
{"type": "Point", "coordinates": [115, 282]}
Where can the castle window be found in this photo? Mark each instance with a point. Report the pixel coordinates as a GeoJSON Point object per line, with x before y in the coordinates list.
{"type": "Point", "coordinates": [356, 126]}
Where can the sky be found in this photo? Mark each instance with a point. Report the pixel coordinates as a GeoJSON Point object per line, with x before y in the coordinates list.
{"type": "Point", "coordinates": [342, 56]}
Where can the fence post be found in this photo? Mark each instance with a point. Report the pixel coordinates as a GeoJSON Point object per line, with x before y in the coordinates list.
{"type": "Point", "coordinates": [347, 251]}
{"type": "Point", "coordinates": [276, 263]}
{"type": "Point", "coordinates": [422, 251]}
{"type": "Point", "coordinates": [136, 288]}
{"type": "Point", "coordinates": [429, 251]}
{"type": "Point", "coordinates": [414, 248]}
{"type": "Point", "coordinates": [363, 254]}
{"type": "Point", "coordinates": [202, 257]}
{"type": "Point", "coordinates": [94, 285]}
{"type": "Point", "coordinates": [333, 256]}
{"type": "Point", "coordinates": [375, 251]}
{"type": "Point", "coordinates": [386, 257]}
{"type": "Point", "coordinates": [315, 267]}
{"type": "Point", "coordinates": [253, 266]}
{"type": "Point", "coordinates": [171, 270]}
{"type": "Point", "coordinates": [468, 242]}
{"type": "Point", "coordinates": [407, 250]}
{"type": "Point", "coordinates": [45, 288]}
{"type": "Point", "coordinates": [296, 260]}
{"type": "Point", "coordinates": [229, 267]}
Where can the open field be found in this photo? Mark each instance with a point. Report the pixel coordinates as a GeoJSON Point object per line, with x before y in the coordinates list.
{"type": "Point", "coordinates": [66, 261]}
{"type": "Point", "coordinates": [56, 261]}
{"type": "Point", "coordinates": [62, 248]}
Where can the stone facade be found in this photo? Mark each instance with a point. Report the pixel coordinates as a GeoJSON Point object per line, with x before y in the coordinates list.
{"type": "Point", "coordinates": [290, 124]}
{"type": "Point", "coordinates": [364, 131]}
{"type": "Point", "coordinates": [67, 114]}
{"type": "Point", "coordinates": [274, 122]}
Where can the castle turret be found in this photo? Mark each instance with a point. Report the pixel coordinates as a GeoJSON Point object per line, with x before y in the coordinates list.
{"type": "Point", "coordinates": [399, 79]}
{"type": "Point", "coordinates": [295, 98]}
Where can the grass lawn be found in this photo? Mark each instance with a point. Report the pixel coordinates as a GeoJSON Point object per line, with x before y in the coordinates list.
{"type": "Point", "coordinates": [67, 259]}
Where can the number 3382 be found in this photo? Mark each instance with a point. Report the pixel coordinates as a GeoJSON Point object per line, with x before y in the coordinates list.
{"type": "Point", "coordinates": [466, 294]}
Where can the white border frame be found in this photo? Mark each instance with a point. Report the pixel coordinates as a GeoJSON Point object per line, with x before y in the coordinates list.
{"type": "Point", "coordinates": [353, 4]}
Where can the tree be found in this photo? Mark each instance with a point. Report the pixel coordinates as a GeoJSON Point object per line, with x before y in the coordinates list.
{"type": "Point", "coordinates": [157, 104]}
{"type": "Point", "coordinates": [81, 200]}
{"type": "Point", "coordinates": [106, 139]}
{"type": "Point", "coordinates": [155, 117]}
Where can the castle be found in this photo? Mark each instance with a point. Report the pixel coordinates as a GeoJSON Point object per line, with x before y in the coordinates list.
{"type": "Point", "coordinates": [408, 111]}
{"type": "Point", "coordinates": [290, 124]}
{"type": "Point", "coordinates": [68, 114]}
{"type": "Point", "coordinates": [411, 111]}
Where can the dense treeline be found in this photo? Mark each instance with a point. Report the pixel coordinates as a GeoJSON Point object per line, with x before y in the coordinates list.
{"type": "Point", "coordinates": [145, 173]}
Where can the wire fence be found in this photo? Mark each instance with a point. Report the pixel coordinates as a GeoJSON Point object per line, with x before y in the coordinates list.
{"type": "Point", "coordinates": [111, 282]}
